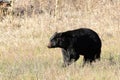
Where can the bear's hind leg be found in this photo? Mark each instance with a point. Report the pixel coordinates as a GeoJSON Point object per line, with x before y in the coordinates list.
{"type": "Point", "coordinates": [88, 59]}
{"type": "Point", "coordinates": [98, 53]}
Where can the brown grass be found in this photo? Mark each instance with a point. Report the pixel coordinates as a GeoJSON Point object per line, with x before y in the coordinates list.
{"type": "Point", "coordinates": [23, 41]}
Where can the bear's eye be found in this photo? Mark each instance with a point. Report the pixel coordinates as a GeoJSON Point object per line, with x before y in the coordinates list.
{"type": "Point", "coordinates": [58, 38]}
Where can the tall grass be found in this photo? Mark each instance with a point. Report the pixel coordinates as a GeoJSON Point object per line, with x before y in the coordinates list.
{"type": "Point", "coordinates": [23, 40]}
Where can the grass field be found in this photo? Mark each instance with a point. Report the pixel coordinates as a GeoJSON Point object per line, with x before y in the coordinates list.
{"type": "Point", "coordinates": [23, 41]}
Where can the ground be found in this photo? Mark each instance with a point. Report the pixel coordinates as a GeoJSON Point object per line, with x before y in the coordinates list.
{"type": "Point", "coordinates": [23, 43]}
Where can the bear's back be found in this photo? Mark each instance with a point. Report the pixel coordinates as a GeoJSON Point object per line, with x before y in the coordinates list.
{"type": "Point", "coordinates": [84, 37]}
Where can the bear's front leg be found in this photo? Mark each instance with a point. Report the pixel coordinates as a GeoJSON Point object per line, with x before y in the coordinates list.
{"type": "Point", "coordinates": [74, 56]}
{"type": "Point", "coordinates": [66, 58]}
{"type": "Point", "coordinates": [69, 56]}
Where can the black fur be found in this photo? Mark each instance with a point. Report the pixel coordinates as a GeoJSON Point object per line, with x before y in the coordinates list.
{"type": "Point", "coordinates": [77, 42]}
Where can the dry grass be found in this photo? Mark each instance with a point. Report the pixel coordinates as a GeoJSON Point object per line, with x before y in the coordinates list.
{"type": "Point", "coordinates": [23, 41]}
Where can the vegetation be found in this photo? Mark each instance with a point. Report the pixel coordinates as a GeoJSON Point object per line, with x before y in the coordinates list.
{"type": "Point", "coordinates": [23, 40]}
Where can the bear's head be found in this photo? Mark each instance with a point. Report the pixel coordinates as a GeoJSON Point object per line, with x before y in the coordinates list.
{"type": "Point", "coordinates": [58, 40]}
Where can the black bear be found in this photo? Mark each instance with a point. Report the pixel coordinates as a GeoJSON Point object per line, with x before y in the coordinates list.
{"type": "Point", "coordinates": [77, 42]}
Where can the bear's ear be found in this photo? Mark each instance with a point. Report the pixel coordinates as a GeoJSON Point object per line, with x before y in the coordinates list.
{"type": "Point", "coordinates": [60, 34]}
{"type": "Point", "coordinates": [55, 34]}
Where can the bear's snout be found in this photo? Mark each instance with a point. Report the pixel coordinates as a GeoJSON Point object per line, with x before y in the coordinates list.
{"type": "Point", "coordinates": [49, 45]}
